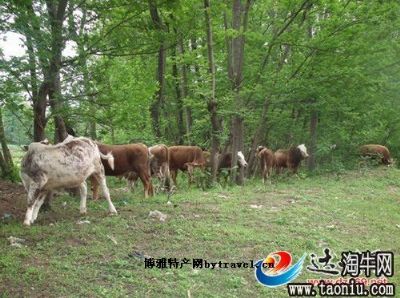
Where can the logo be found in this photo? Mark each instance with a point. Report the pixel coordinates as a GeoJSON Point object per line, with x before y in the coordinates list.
{"type": "Point", "coordinates": [279, 270]}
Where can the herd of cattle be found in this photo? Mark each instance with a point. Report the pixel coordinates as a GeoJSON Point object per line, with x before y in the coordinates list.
{"type": "Point", "coordinates": [46, 168]}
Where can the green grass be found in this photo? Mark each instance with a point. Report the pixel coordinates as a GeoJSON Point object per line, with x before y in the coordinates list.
{"type": "Point", "coordinates": [355, 210]}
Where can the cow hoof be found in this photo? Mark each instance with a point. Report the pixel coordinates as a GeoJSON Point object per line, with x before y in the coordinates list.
{"type": "Point", "coordinates": [83, 212]}
{"type": "Point", "coordinates": [27, 223]}
{"type": "Point", "coordinates": [112, 213]}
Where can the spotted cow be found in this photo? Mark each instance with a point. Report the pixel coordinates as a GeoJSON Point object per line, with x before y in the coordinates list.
{"type": "Point", "coordinates": [46, 168]}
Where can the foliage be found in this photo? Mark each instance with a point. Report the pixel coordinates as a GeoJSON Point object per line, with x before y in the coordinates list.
{"type": "Point", "coordinates": [339, 59]}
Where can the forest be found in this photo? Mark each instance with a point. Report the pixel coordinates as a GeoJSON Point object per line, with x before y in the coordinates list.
{"type": "Point", "coordinates": [223, 75]}
{"type": "Point", "coordinates": [320, 77]}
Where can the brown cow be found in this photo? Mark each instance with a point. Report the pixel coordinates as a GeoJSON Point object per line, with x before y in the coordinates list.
{"type": "Point", "coordinates": [185, 158]}
{"type": "Point", "coordinates": [159, 166]}
{"type": "Point", "coordinates": [290, 158]}
{"type": "Point", "coordinates": [376, 151]}
{"type": "Point", "coordinates": [127, 158]}
{"type": "Point", "coordinates": [267, 161]}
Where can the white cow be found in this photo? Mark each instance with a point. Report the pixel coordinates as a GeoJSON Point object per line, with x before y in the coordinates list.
{"type": "Point", "coordinates": [45, 168]}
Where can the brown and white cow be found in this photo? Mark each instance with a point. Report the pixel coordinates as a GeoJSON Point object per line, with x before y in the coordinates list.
{"type": "Point", "coordinates": [290, 158]}
{"type": "Point", "coordinates": [185, 158]}
{"type": "Point", "coordinates": [375, 150]}
{"type": "Point", "coordinates": [225, 160]}
{"type": "Point", "coordinates": [267, 161]}
{"type": "Point", "coordinates": [127, 158]}
{"type": "Point", "coordinates": [159, 165]}
{"type": "Point", "coordinates": [45, 168]}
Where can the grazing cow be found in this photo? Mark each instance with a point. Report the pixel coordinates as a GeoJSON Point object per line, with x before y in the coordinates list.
{"type": "Point", "coordinates": [185, 158]}
{"type": "Point", "coordinates": [267, 161]}
{"type": "Point", "coordinates": [127, 158]}
{"type": "Point", "coordinates": [377, 151]}
{"type": "Point", "coordinates": [225, 160]}
{"type": "Point", "coordinates": [290, 158]}
{"type": "Point", "coordinates": [159, 165]}
{"type": "Point", "coordinates": [45, 168]}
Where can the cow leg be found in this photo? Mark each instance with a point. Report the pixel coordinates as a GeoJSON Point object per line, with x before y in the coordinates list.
{"type": "Point", "coordinates": [32, 197]}
{"type": "Point", "coordinates": [83, 195]}
{"type": "Point", "coordinates": [148, 187]}
{"type": "Point", "coordinates": [165, 175]}
{"type": "Point", "coordinates": [263, 170]}
{"type": "Point", "coordinates": [106, 192]}
{"type": "Point", "coordinates": [174, 173]}
{"type": "Point", "coordinates": [278, 170]}
{"type": "Point", "coordinates": [161, 177]}
{"type": "Point", "coordinates": [131, 178]}
{"type": "Point", "coordinates": [190, 170]}
{"type": "Point", "coordinates": [36, 207]}
{"type": "Point", "coordinates": [95, 187]}
{"type": "Point", "coordinates": [264, 175]}
{"type": "Point", "coordinates": [130, 183]}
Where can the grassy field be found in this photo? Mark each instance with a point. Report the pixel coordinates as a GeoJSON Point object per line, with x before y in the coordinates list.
{"type": "Point", "coordinates": [357, 210]}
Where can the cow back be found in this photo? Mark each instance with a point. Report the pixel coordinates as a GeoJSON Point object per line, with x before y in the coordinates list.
{"type": "Point", "coordinates": [66, 164]}
{"type": "Point", "coordinates": [181, 155]}
{"type": "Point", "coordinates": [281, 157]}
{"type": "Point", "coordinates": [127, 158]}
{"type": "Point", "coordinates": [267, 157]}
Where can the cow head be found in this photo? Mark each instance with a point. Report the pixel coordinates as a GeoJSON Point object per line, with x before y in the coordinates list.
{"type": "Point", "coordinates": [241, 160]}
{"type": "Point", "coordinates": [303, 150]}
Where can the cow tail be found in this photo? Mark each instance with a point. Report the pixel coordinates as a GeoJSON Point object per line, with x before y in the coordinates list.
{"type": "Point", "coordinates": [109, 157]}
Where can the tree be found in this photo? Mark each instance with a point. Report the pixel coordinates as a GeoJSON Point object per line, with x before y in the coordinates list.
{"type": "Point", "coordinates": [240, 13]}
{"type": "Point", "coordinates": [212, 102]}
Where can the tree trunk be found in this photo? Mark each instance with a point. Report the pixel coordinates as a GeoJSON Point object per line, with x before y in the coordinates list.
{"type": "Point", "coordinates": [56, 13]}
{"type": "Point", "coordinates": [239, 24]}
{"type": "Point", "coordinates": [39, 94]}
{"type": "Point", "coordinates": [39, 113]}
{"type": "Point", "coordinates": [6, 162]}
{"type": "Point", "coordinates": [179, 102]}
{"type": "Point", "coordinates": [185, 93]}
{"type": "Point", "coordinates": [212, 103]}
{"type": "Point", "coordinates": [87, 85]}
{"type": "Point", "coordinates": [313, 138]}
{"type": "Point", "coordinates": [258, 136]}
{"type": "Point", "coordinates": [162, 57]}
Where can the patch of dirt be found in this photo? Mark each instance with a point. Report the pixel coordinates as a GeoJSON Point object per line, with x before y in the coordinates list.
{"type": "Point", "coordinates": [393, 189]}
{"type": "Point", "coordinates": [12, 200]}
